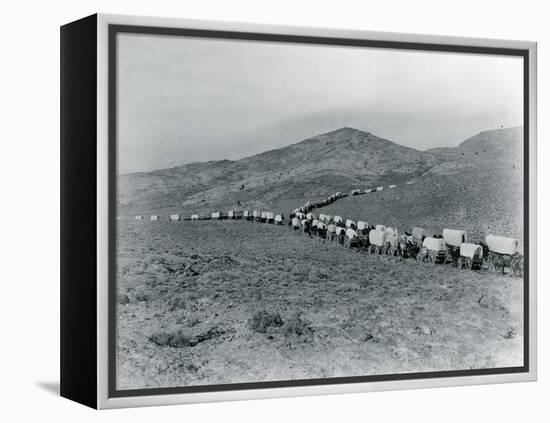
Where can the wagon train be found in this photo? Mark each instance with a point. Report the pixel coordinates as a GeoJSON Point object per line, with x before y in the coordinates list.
{"type": "Point", "coordinates": [452, 246]}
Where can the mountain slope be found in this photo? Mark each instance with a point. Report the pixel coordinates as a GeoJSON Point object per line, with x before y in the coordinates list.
{"type": "Point", "coordinates": [477, 187]}
{"type": "Point", "coordinates": [498, 150]}
{"type": "Point", "coordinates": [315, 167]}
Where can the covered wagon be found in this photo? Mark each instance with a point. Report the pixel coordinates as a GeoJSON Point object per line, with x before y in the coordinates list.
{"type": "Point", "coordinates": [391, 245]}
{"type": "Point", "coordinates": [380, 228]}
{"type": "Point", "coordinates": [504, 252]}
{"type": "Point", "coordinates": [337, 219]}
{"type": "Point", "coordinates": [139, 217]}
{"type": "Point", "coordinates": [278, 219]}
{"type": "Point", "coordinates": [471, 256]}
{"type": "Point", "coordinates": [351, 238]}
{"type": "Point", "coordinates": [270, 217]}
{"type": "Point", "coordinates": [295, 223]}
{"type": "Point", "coordinates": [350, 223]}
{"type": "Point", "coordinates": [256, 215]}
{"type": "Point", "coordinates": [154, 217]}
{"type": "Point", "coordinates": [195, 216]}
{"type": "Point", "coordinates": [216, 215]}
{"type": "Point", "coordinates": [434, 250]}
{"type": "Point", "coordinates": [377, 239]}
{"type": "Point", "coordinates": [362, 225]}
{"type": "Point", "coordinates": [391, 186]}
{"type": "Point", "coordinates": [310, 216]}
{"type": "Point", "coordinates": [391, 231]}
{"type": "Point", "coordinates": [502, 245]}
{"type": "Point", "coordinates": [331, 231]}
{"type": "Point", "coordinates": [340, 234]}
{"type": "Point", "coordinates": [454, 237]}
{"type": "Point", "coordinates": [235, 214]}
{"type": "Point", "coordinates": [379, 188]}
{"type": "Point", "coordinates": [175, 217]}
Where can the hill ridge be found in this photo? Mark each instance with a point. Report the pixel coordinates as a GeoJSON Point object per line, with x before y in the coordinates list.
{"type": "Point", "coordinates": [338, 160]}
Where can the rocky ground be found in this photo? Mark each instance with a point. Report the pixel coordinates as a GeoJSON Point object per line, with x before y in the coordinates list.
{"type": "Point", "coordinates": [228, 302]}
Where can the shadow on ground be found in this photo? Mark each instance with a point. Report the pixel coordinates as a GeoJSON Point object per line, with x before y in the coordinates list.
{"type": "Point", "coordinates": [51, 387]}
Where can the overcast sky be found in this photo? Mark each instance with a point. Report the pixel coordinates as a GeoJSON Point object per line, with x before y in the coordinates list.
{"type": "Point", "coordinates": [183, 99]}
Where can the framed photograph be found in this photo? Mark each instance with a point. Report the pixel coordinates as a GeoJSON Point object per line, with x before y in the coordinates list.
{"type": "Point", "coordinates": [253, 211]}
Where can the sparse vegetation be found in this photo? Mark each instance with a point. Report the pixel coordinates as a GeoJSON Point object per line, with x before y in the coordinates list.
{"type": "Point", "coordinates": [201, 293]}
{"type": "Point", "coordinates": [179, 339]}
{"type": "Point", "coordinates": [262, 320]}
{"type": "Point", "coordinates": [296, 326]}
{"type": "Point", "coordinates": [318, 303]}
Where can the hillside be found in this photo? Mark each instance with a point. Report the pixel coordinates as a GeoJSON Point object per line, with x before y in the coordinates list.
{"type": "Point", "coordinates": [498, 150]}
{"type": "Point", "coordinates": [478, 187]}
{"type": "Point", "coordinates": [321, 165]}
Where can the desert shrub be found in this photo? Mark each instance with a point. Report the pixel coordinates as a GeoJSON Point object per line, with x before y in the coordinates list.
{"type": "Point", "coordinates": [295, 325]}
{"type": "Point", "coordinates": [176, 339]}
{"type": "Point", "coordinates": [161, 338]}
{"type": "Point", "coordinates": [143, 297]}
{"type": "Point", "coordinates": [179, 339]}
{"type": "Point", "coordinates": [509, 333]}
{"type": "Point", "coordinates": [176, 303]}
{"type": "Point", "coordinates": [262, 320]}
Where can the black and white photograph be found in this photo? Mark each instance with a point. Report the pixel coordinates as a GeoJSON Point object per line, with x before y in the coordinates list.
{"type": "Point", "coordinates": [275, 211]}
{"type": "Point", "coordinates": [304, 211]}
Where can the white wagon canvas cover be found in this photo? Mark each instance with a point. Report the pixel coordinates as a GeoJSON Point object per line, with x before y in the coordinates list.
{"type": "Point", "coordinates": [434, 244]}
{"type": "Point", "coordinates": [470, 250]}
{"type": "Point", "coordinates": [454, 237]}
{"type": "Point", "coordinates": [377, 237]}
{"type": "Point", "coordinates": [502, 245]}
